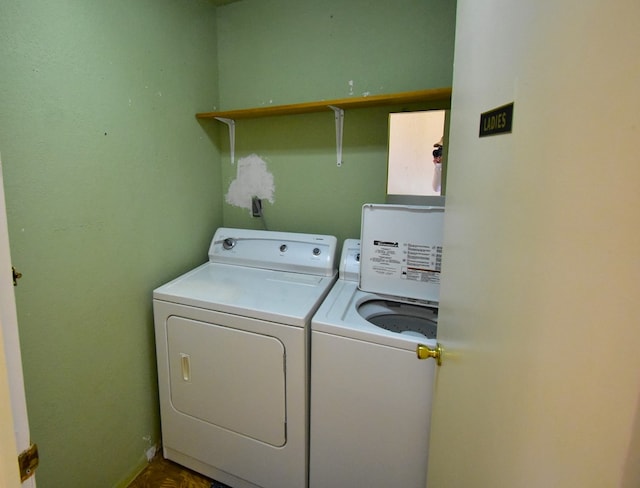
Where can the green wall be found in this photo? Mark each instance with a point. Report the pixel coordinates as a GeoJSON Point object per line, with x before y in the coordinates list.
{"type": "Point", "coordinates": [290, 51]}
{"type": "Point", "coordinates": [112, 188]}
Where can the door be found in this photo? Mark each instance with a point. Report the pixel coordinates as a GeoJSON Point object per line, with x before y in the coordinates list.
{"type": "Point", "coordinates": [9, 473]}
{"type": "Point", "coordinates": [539, 300]}
{"type": "Point", "coordinates": [229, 378]}
{"type": "Point", "coordinates": [12, 397]}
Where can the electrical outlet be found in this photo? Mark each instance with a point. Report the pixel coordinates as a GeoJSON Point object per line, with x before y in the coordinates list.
{"type": "Point", "coordinates": [256, 207]}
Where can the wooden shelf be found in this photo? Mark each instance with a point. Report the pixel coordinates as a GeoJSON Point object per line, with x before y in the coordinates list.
{"type": "Point", "coordinates": [432, 95]}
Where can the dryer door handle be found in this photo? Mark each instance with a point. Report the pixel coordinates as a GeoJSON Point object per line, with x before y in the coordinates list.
{"type": "Point", "coordinates": [185, 363]}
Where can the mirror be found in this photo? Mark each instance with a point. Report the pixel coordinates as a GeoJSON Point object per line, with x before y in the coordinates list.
{"type": "Point", "coordinates": [414, 140]}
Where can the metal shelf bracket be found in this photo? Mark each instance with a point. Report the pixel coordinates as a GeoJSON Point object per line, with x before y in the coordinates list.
{"type": "Point", "coordinates": [232, 136]}
{"type": "Point", "coordinates": [339, 115]}
{"type": "Point", "coordinates": [339, 118]}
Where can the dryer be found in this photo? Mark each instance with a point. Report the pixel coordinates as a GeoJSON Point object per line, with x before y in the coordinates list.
{"type": "Point", "coordinates": [232, 339]}
{"type": "Point", "coordinates": [370, 393]}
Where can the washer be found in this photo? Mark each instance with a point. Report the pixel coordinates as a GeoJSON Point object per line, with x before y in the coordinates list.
{"type": "Point", "coordinates": [232, 340]}
{"type": "Point", "coordinates": [370, 394]}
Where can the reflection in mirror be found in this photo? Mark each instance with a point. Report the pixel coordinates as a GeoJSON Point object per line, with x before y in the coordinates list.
{"type": "Point", "coordinates": [414, 140]}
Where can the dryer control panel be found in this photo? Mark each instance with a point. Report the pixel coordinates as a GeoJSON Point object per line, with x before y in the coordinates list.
{"type": "Point", "coordinates": [282, 251]}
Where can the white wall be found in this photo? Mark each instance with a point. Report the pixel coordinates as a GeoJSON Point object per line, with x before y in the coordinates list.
{"type": "Point", "coordinates": [412, 136]}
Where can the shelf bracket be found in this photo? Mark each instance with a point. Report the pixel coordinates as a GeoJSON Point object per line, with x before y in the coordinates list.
{"type": "Point", "coordinates": [232, 136]}
{"type": "Point", "coordinates": [339, 115]}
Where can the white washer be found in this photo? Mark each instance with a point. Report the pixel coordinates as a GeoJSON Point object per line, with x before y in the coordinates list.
{"type": "Point", "coordinates": [232, 350]}
{"type": "Point", "coordinates": [370, 394]}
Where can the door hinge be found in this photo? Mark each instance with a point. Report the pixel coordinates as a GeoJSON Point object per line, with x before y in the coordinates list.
{"type": "Point", "coordinates": [16, 276]}
{"type": "Point", "coordinates": [28, 461]}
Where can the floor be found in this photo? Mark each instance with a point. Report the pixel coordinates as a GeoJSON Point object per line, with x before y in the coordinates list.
{"type": "Point", "coordinates": [162, 473]}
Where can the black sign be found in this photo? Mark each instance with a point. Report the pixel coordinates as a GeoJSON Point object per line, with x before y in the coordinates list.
{"type": "Point", "coordinates": [496, 121]}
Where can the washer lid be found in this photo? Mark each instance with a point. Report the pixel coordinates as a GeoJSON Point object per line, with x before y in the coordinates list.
{"type": "Point", "coordinates": [401, 251]}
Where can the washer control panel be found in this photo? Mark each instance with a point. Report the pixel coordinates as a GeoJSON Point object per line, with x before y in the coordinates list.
{"type": "Point", "coordinates": [350, 260]}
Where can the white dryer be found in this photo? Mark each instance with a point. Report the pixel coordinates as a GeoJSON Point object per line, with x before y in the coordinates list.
{"type": "Point", "coordinates": [370, 392]}
{"type": "Point", "coordinates": [232, 340]}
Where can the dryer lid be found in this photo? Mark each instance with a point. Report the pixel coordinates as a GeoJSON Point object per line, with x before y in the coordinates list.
{"type": "Point", "coordinates": [401, 251]}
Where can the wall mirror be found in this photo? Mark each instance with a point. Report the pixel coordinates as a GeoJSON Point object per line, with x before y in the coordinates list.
{"type": "Point", "coordinates": [413, 138]}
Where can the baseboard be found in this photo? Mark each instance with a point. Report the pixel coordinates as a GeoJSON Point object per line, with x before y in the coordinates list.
{"type": "Point", "coordinates": [140, 465]}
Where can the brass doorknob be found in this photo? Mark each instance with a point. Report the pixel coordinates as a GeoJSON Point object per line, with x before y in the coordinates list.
{"type": "Point", "coordinates": [426, 352]}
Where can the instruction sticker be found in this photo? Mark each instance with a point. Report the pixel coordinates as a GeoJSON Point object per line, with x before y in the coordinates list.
{"type": "Point", "coordinates": [413, 262]}
{"type": "Point", "coordinates": [423, 263]}
{"type": "Point", "coordinates": [386, 259]}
